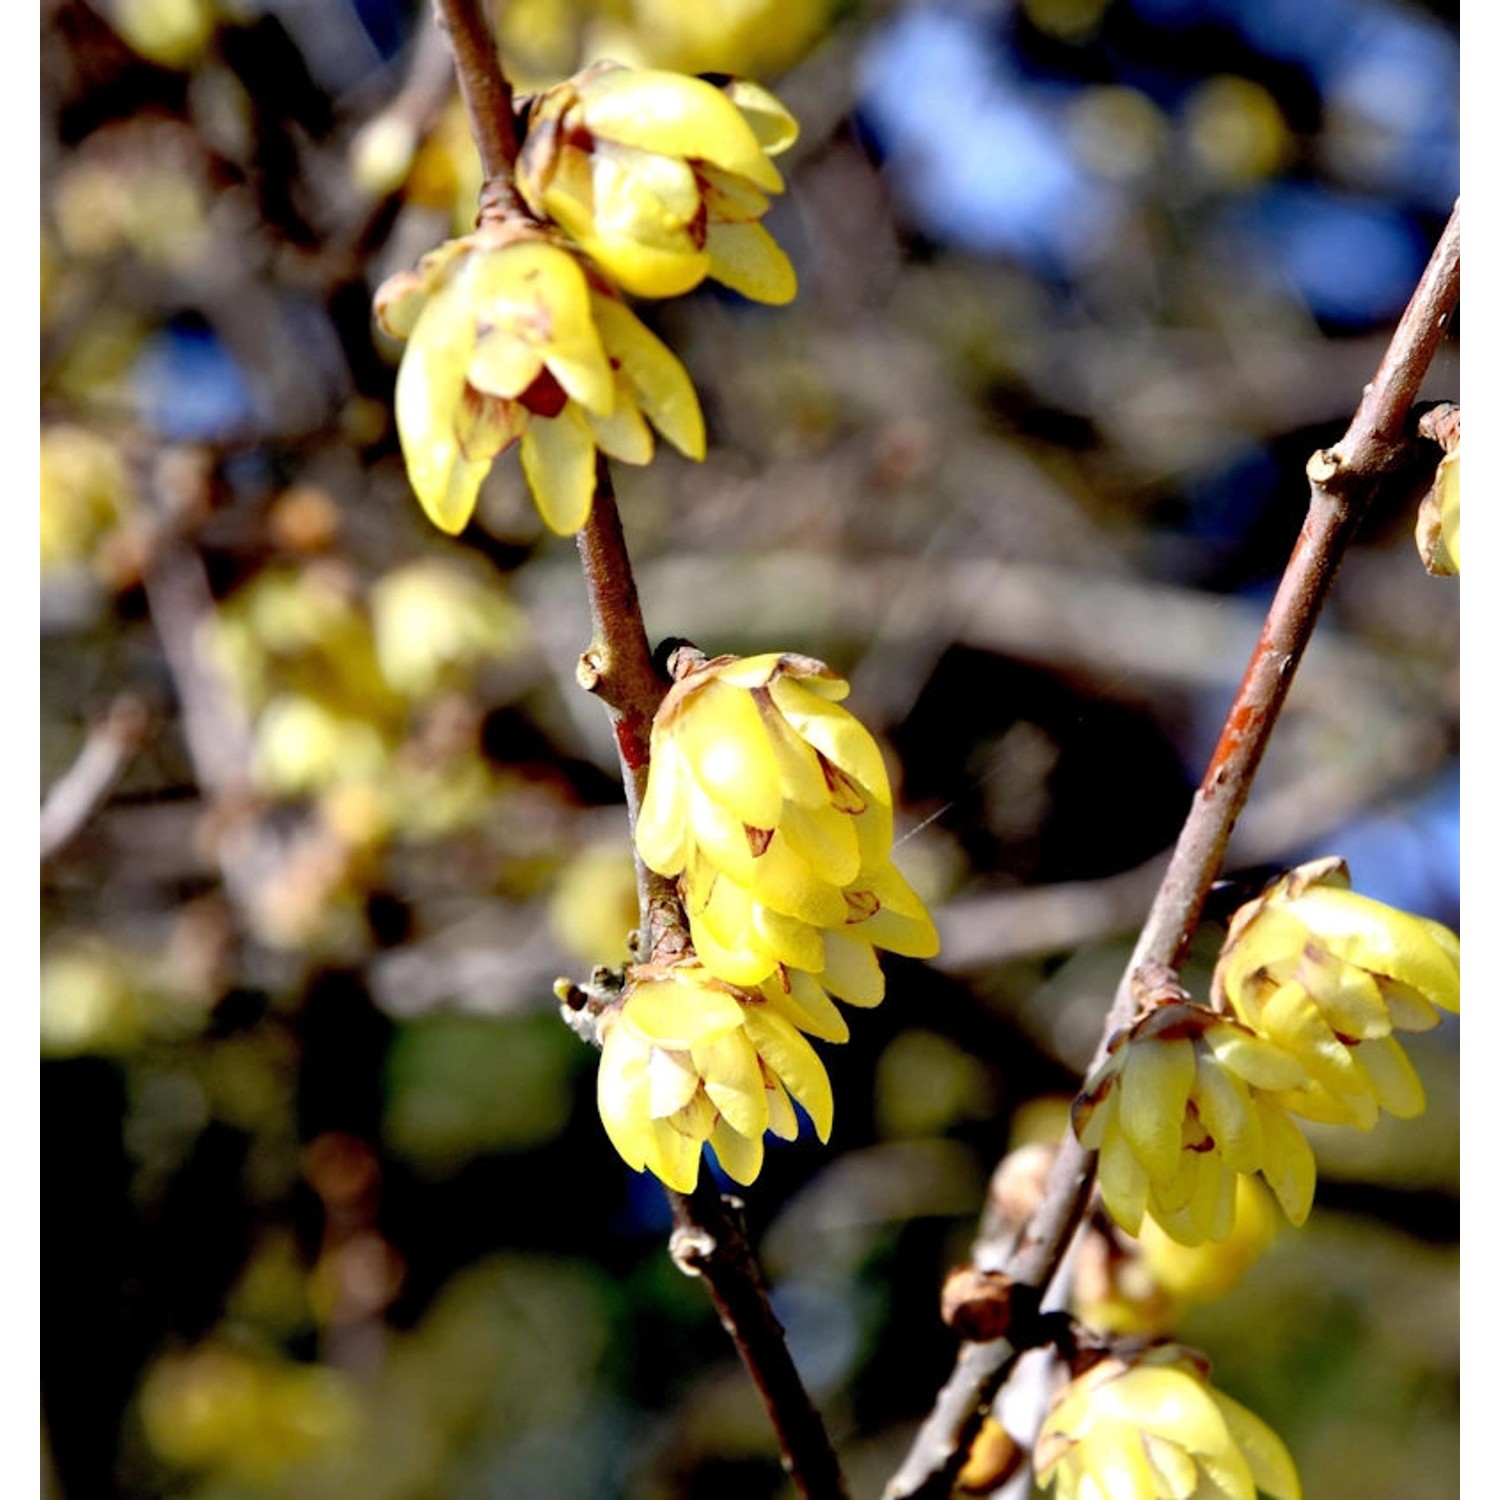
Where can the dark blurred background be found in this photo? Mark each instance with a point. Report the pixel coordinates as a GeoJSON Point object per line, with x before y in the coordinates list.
{"type": "Point", "coordinates": [327, 1208]}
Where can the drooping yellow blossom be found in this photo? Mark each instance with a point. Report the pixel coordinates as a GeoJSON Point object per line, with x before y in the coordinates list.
{"type": "Point", "coordinates": [250, 1417]}
{"type": "Point", "coordinates": [1179, 1109]}
{"type": "Point", "coordinates": [1149, 1426]}
{"type": "Point", "coordinates": [1329, 975]}
{"type": "Point", "coordinates": [510, 338]}
{"type": "Point", "coordinates": [688, 1059]}
{"type": "Point", "coordinates": [662, 178]}
{"type": "Point", "coordinates": [1438, 520]}
{"type": "Point", "coordinates": [86, 493]}
{"type": "Point", "coordinates": [772, 804]}
{"type": "Point", "coordinates": [1138, 1286]}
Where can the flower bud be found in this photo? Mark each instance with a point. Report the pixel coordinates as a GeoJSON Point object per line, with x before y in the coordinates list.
{"type": "Point", "coordinates": [662, 178]}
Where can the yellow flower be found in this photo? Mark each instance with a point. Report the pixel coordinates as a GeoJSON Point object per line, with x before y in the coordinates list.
{"type": "Point", "coordinates": [1149, 1426]}
{"type": "Point", "coordinates": [1437, 518]}
{"type": "Point", "coordinates": [1178, 1110]}
{"type": "Point", "coordinates": [86, 493]}
{"type": "Point", "coordinates": [688, 1059]}
{"type": "Point", "coordinates": [773, 806]}
{"type": "Point", "coordinates": [662, 178]}
{"type": "Point", "coordinates": [510, 339]}
{"type": "Point", "coordinates": [1329, 975]}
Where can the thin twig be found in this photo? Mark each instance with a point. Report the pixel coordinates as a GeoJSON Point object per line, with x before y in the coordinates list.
{"type": "Point", "coordinates": [85, 786]}
{"type": "Point", "coordinates": [1343, 479]}
{"type": "Point", "coordinates": [486, 89]}
{"type": "Point", "coordinates": [709, 1241]}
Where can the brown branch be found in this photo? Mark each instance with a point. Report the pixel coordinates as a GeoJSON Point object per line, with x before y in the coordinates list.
{"type": "Point", "coordinates": [1343, 479]}
{"type": "Point", "coordinates": [85, 786]}
{"type": "Point", "coordinates": [709, 1241]}
{"type": "Point", "coordinates": [485, 88]}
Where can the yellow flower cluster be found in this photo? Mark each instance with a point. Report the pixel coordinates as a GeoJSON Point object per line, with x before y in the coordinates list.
{"type": "Point", "coordinates": [771, 805]}
{"type": "Point", "coordinates": [1311, 985]}
{"type": "Point", "coordinates": [1149, 1426]}
{"type": "Point", "coordinates": [689, 1060]}
{"type": "Point", "coordinates": [638, 180]}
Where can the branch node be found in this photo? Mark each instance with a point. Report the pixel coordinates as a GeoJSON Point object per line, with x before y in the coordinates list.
{"type": "Point", "coordinates": [1323, 465]}
{"type": "Point", "coordinates": [691, 1247]}
{"type": "Point", "coordinates": [590, 670]}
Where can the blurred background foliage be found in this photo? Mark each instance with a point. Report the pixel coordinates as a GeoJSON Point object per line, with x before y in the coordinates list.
{"type": "Point", "coordinates": [328, 1209]}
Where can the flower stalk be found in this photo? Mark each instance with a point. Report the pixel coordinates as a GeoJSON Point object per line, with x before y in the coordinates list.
{"type": "Point", "coordinates": [617, 668]}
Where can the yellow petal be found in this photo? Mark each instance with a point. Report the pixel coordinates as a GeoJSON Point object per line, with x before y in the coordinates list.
{"type": "Point", "coordinates": [725, 937]}
{"type": "Point", "coordinates": [785, 882]}
{"type": "Point", "coordinates": [730, 199]}
{"type": "Point", "coordinates": [1382, 939]}
{"type": "Point", "coordinates": [624, 1095]}
{"type": "Point", "coordinates": [558, 458]}
{"type": "Point", "coordinates": [1395, 1082]}
{"type": "Point", "coordinates": [674, 1081]}
{"type": "Point", "coordinates": [824, 839]}
{"type": "Point", "coordinates": [1122, 1179]}
{"type": "Point", "coordinates": [805, 1003]}
{"type": "Point", "coordinates": [788, 1054]}
{"type": "Point", "coordinates": [724, 741]}
{"type": "Point", "coordinates": [1289, 1168]}
{"type": "Point", "coordinates": [747, 260]}
{"type": "Point", "coordinates": [720, 836]}
{"type": "Point", "coordinates": [1271, 1465]}
{"type": "Point", "coordinates": [678, 116]}
{"type": "Point", "coordinates": [790, 941]}
{"type": "Point", "coordinates": [851, 971]}
{"type": "Point", "coordinates": [740, 1156]}
{"type": "Point", "coordinates": [666, 1013]}
{"type": "Point", "coordinates": [732, 1080]}
{"type": "Point", "coordinates": [764, 113]}
{"type": "Point", "coordinates": [1254, 1058]}
{"type": "Point", "coordinates": [533, 303]}
{"type": "Point", "coordinates": [661, 828]}
{"type": "Point", "coordinates": [623, 434]}
{"type": "Point", "coordinates": [429, 395]}
{"type": "Point", "coordinates": [783, 1117]}
{"type": "Point", "coordinates": [835, 733]}
{"type": "Point", "coordinates": [1223, 1104]}
{"type": "Point", "coordinates": [662, 387]}
{"type": "Point", "coordinates": [674, 1156]}
{"type": "Point", "coordinates": [1154, 1086]}
{"type": "Point", "coordinates": [1116, 1460]}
